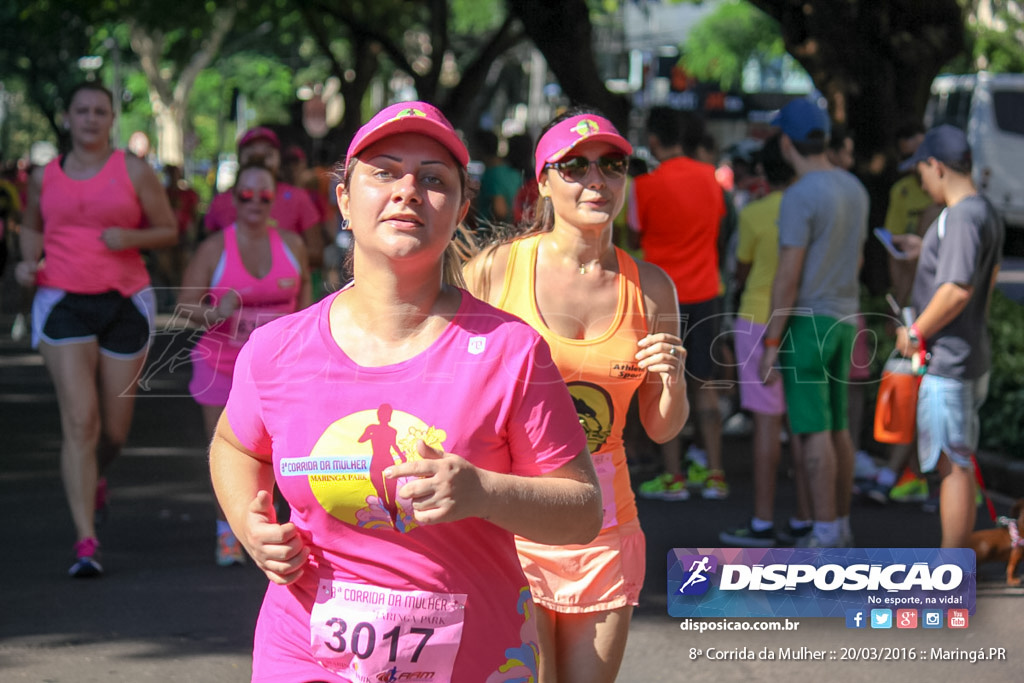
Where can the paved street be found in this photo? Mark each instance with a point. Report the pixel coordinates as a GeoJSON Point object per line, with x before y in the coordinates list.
{"type": "Point", "coordinates": [164, 611]}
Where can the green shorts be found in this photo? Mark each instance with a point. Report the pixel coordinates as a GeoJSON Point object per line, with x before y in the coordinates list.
{"type": "Point", "coordinates": [814, 360]}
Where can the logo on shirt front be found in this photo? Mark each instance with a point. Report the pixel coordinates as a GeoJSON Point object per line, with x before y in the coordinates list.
{"type": "Point", "coordinates": [596, 412]}
{"type": "Point", "coordinates": [625, 370]}
{"type": "Point", "coordinates": [476, 345]}
{"type": "Point", "coordinates": [345, 468]}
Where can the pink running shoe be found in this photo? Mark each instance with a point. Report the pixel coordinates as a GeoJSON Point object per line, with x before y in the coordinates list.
{"type": "Point", "coordinates": [87, 565]}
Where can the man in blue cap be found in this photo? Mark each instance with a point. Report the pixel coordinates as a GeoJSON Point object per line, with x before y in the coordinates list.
{"type": "Point", "coordinates": [823, 222]}
{"type": "Point", "coordinates": [958, 260]}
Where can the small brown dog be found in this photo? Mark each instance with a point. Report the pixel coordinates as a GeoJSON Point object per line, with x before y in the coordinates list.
{"type": "Point", "coordinates": [1004, 543]}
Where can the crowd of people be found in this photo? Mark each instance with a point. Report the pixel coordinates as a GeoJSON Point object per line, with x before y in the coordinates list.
{"type": "Point", "coordinates": [569, 291]}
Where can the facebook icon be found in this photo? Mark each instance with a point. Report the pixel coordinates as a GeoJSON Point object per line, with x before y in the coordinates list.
{"type": "Point", "coordinates": [855, 618]}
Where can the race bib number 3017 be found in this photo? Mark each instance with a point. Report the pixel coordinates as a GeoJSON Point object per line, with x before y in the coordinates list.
{"type": "Point", "coordinates": [367, 633]}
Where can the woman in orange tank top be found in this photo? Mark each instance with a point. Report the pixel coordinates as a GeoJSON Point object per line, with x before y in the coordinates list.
{"type": "Point", "coordinates": [613, 328]}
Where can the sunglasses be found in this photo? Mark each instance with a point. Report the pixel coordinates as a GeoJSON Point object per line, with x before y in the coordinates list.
{"type": "Point", "coordinates": [577, 168]}
{"type": "Point", "coordinates": [265, 196]}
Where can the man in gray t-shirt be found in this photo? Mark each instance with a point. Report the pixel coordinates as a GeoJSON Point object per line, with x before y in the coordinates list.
{"type": "Point", "coordinates": [958, 262]}
{"type": "Point", "coordinates": [961, 247]}
{"type": "Point", "coordinates": [822, 226]}
{"type": "Point", "coordinates": [826, 213]}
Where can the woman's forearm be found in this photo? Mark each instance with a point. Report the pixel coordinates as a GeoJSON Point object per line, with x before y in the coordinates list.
{"type": "Point", "coordinates": [31, 243]}
{"type": "Point", "coordinates": [550, 510]}
{"type": "Point", "coordinates": [663, 414]}
{"type": "Point", "coordinates": [237, 478]}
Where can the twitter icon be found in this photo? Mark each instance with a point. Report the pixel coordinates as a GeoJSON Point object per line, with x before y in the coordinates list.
{"type": "Point", "coordinates": [881, 618]}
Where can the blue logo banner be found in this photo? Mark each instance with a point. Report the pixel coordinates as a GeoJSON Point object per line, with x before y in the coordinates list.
{"type": "Point", "coordinates": [818, 582]}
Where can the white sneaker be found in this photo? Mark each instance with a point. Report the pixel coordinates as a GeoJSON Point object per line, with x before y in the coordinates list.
{"type": "Point", "coordinates": [812, 540]}
{"type": "Point", "coordinates": [20, 328]}
{"type": "Point", "coordinates": [739, 424]}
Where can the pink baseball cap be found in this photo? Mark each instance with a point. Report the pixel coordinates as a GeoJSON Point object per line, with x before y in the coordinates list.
{"type": "Point", "coordinates": [565, 135]}
{"type": "Point", "coordinates": [259, 133]}
{"type": "Point", "coordinates": [408, 117]}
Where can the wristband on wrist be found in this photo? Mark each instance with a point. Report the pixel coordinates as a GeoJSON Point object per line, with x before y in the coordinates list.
{"type": "Point", "coordinates": [914, 334]}
{"type": "Point", "coordinates": [771, 342]}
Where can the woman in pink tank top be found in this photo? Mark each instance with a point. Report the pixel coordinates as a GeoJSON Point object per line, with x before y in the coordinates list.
{"type": "Point", "coordinates": [613, 327]}
{"type": "Point", "coordinates": [240, 278]}
{"type": "Point", "coordinates": [93, 311]}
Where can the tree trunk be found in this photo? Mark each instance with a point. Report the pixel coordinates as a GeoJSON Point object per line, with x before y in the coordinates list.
{"type": "Point", "coordinates": [460, 104]}
{"type": "Point", "coordinates": [169, 98]}
{"type": "Point", "coordinates": [874, 62]}
{"type": "Point", "coordinates": [563, 33]}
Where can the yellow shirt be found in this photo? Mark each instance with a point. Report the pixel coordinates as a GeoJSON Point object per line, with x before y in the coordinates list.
{"type": "Point", "coordinates": [759, 246]}
{"type": "Point", "coordinates": [906, 203]}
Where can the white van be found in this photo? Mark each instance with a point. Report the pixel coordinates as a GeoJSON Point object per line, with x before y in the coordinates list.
{"type": "Point", "coordinates": [990, 107]}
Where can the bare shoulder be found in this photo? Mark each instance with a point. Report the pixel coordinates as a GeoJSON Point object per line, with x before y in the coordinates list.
{"type": "Point", "coordinates": [140, 172]}
{"type": "Point", "coordinates": [199, 270]}
{"type": "Point", "coordinates": [659, 290]}
{"type": "Point", "coordinates": [485, 272]}
{"type": "Point", "coordinates": [135, 165]}
{"type": "Point", "coordinates": [292, 240]}
{"type": "Point", "coordinates": [210, 249]}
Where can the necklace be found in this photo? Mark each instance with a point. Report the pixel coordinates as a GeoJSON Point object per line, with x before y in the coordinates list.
{"type": "Point", "coordinates": [581, 268]}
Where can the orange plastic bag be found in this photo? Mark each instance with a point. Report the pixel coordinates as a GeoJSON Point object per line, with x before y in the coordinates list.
{"type": "Point", "coordinates": [896, 407]}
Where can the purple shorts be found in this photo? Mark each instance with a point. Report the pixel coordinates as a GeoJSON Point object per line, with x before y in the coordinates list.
{"type": "Point", "coordinates": [755, 396]}
{"type": "Point", "coordinates": [208, 386]}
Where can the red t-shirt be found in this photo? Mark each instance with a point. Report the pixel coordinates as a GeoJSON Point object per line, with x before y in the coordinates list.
{"type": "Point", "coordinates": [679, 207]}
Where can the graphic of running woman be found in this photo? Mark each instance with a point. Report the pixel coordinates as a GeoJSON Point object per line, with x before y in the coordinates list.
{"type": "Point", "coordinates": [383, 439]}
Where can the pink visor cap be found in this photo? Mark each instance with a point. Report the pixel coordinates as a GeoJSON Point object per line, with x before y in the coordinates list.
{"type": "Point", "coordinates": [565, 135]}
{"type": "Point", "coordinates": [408, 117]}
{"type": "Point", "coordinates": [259, 133]}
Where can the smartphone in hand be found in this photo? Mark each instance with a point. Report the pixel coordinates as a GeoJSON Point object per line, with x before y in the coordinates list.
{"type": "Point", "coordinates": [885, 237]}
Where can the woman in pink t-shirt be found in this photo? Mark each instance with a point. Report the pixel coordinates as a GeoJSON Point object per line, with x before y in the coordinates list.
{"type": "Point", "coordinates": [93, 312]}
{"type": "Point", "coordinates": [413, 430]}
{"type": "Point", "coordinates": [240, 278]}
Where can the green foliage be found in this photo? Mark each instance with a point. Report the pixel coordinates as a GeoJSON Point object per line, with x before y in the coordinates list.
{"type": "Point", "coordinates": [1002, 50]}
{"type": "Point", "coordinates": [720, 46]}
{"type": "Point", "coordinates": [1002, 416]}
{"type": "Point", "coordinates": [997, 47]}
{"type": "Point", "coordinates": [473, 17]}
{"type": "Point", "coordinates": [136, 109]}
{"type": "Point", "coordinates": [41, 43]}
{"type": "Point", "coordinates": [24, 123]}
